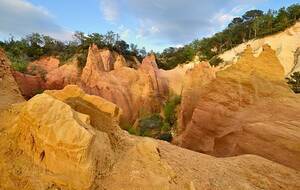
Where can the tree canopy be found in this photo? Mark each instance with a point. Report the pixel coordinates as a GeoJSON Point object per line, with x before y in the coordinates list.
{"type": "Point", "coordinates": [253, 24]}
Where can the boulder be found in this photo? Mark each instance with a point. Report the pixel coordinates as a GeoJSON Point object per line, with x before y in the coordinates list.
{"type": "Point", "coordinates": [102, 112]}
{"type": "Point", "coordinates": [58, 142]}
{"type": "Point", "coordinates": [247, 109]}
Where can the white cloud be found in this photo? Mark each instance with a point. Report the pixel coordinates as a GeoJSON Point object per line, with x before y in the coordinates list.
{"type": "Point", "coordinates": [124, 32]}
{"type": "Point", "coordinates": [109, 9]}
{"type": "Point", "coordinates": [19, 17]}
{"type": "Point", "coordinates": [177, 21]}
{"type": "Point", "coordinates": [222, 18]}
{"type": "Point", "coordinates": [178, 45]}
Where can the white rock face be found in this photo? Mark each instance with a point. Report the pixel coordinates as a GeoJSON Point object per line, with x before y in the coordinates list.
{"type": "Point", "coordinates": [284, 43]}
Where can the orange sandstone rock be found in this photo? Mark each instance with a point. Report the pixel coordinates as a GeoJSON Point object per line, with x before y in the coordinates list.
{"type": "Point", "coordinates": [247, 109]}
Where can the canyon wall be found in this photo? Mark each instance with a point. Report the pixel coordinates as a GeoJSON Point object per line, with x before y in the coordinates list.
{"type": "Point", "coordinates": [247, 109]}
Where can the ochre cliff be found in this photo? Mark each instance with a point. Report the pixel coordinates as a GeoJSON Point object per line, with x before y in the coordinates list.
{"type": "Point", "coordinates": [133, 90]}
{"type": "Point", "coordinates": [247, 109]}
{"type": "Point", "coordinates": [9, 91]}
{"type": "Point", "coordinates": [59, 140]}
{"type": "Point", "coordinates": [106, 74]}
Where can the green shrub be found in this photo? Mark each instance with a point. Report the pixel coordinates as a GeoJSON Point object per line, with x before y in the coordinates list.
{"type": "Point", "coordinates": [38, 91]}
{"type": "Point", "coordinates": [133, 131]}
{"type": "Point", "coordinates": [63, 58]}
{"type": "Point", "coordinates": [82, 59]}
{"type": "Point", "coordinates": [166, 127]}
{"type": "Point", "coordinates": [166, 137]}
{"type": "Point", "coordinates": [215, 61]}
{"type": "Point", "coordinates": [151, 125]}
{"type": "Point", "coordinates": [154, 125]}
{"type": "Point", "coordinates": [294, 82]}
{"type": "Point", "coordinates": [18, 63]}
{"type": "Point", "coordinates": [170, 110]}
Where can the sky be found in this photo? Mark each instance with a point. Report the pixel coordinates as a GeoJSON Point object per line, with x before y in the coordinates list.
{"type": "Point", "coordinates": [153, 24]}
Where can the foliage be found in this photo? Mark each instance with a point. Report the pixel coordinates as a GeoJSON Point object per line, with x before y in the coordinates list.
{"type": "Point", "coordinates": [166, 137]}
{"type": "Point", "coordinates": [171, 57]}
{"type": "Point", "coordinates": [294, 82]}
{"type": "Point", "coordinates": [170, 110]}
{"type": "Point", "coordinates": [18, 63]}
{"type": "Point", "coordinates": [35, 45]}
{"type": "Point", "coordinates": [156, 126]}
{"type": "Point", "coordinates": [38, 91]}
{"type": "Point", "coordinates": [132, 131]}
{"type": "Point", "coordinates": [150, 125]}
{"type": "Point", "coordinates": [215, 61]}
{"type": "Point", "coordinates": [253, 24]}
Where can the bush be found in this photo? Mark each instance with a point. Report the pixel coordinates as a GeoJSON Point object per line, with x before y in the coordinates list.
{"type": "Point", "coordinates": [294, 82]}
{"type": "Point", "coordinates": [166, 127]}
{"type": "Point", "coordinates": [170, 110]}
{"type": "Point", "coordinates": [215, 61]}
{"type": "Point", "coordinates": [166, 137]}
{"type": "Point", "coordinates": [151, 125]}
{"type": "Point", "coordinates": [132, 131]}
{"type": "Point", "coordinates": [18, 63]}
{"type": "Point", "coordinates": [82, 59]}
{"type": "Point", "coordinates": [156, 126]}
{"type": "Point", "coordinates": [38, 91]}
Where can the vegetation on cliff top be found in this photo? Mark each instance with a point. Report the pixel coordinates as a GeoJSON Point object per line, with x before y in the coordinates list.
{"type": "Point", "coordinates": [253, 24]}
{"type": "Point", "coordinates": [35, 45]}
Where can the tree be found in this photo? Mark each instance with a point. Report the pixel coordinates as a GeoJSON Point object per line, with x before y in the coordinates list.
{"type": "Point", "coordinates": [134, 49]}
{"type": "Point", "coordinates": [249, 18]}
{"type": "Point", "coordinates": [110, 39]}
{"type": "Point", "coordinates": [79, 37]}
{"type": "Point", "coordinates": [95, 38]}
{"type": "Point", "coordinates": [252, 15]}
{"type": "Point", "coordinates": [282, 20]}
{"type": "Point", "coordinates": [34, 49]}
{"type": "Point", "coordinates": [294, 12]}
{"type": "Point", "coordinates": [235, 21]}
{"type": "Point", "coordinates": [143, 52]}
{"type": "Point", "coordinates": [122, 47]}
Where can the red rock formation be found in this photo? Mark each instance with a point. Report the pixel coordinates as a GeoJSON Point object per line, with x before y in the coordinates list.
{"type": "Point", "coordinates": [64, 75]}
{"type": "Point", "coordinates": [247, 109]}
{"type": "Point", "coordinates": [104, 59]}
{"type": "Point", "coordinates": [135, 91]}
{"type": "Point", "coordinates": [29, 85]}
{"type": "Point", "coordinates": [43, 65]}
{"type": "Point", "coordinates": [149, 67]}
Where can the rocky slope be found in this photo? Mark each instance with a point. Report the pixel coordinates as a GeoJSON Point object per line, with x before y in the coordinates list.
{"type": "Point", "coordinates": [9, 91]}
{"type": "Point", "coordinates": [247, 109]}
{"type": "Point", "coordinates": [286, 44]}
{"type": "Point", "coordinates": [69, 140]}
